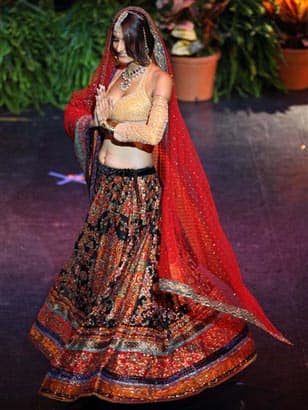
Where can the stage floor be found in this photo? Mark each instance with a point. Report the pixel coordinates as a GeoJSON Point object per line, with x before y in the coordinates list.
{"type": "Point", "coordinates": [255, 153]}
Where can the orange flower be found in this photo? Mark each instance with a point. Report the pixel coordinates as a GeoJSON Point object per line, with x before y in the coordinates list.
{"type": "Point", "coordinates": [295, 11]}
{"type": "Point", "coordinates": [289, 11]}
{"type": "Point", "coordinates": [268, 7]}
{"type": "Point", "coordinates": [291, 17]}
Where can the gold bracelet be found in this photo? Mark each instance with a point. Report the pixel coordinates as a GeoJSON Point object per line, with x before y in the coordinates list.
{"type": "Point", "coordinates": [110, 125]}
{"type": "Point", "coordinates": [103, 123]}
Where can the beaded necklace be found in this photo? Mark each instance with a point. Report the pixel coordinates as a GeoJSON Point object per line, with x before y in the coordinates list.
{"type": "Point", "coordinates": [132, 71]}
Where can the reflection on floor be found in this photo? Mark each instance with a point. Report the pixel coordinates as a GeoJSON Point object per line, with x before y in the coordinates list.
{"type": "Point", "coordinates": [255, 153]}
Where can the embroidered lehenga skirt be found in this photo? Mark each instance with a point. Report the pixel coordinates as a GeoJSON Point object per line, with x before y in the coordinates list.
{"type": "Point", "coordinates": [106, 327]}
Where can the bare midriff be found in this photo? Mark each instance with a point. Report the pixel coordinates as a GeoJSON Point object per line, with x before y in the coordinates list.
{"type": "Point", "coordinates": [125, 155]}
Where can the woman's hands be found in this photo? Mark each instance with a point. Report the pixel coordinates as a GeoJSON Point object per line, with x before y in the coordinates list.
{"type": "Point", "coordinates": [103, 107]}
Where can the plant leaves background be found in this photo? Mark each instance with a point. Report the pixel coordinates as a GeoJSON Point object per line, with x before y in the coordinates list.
{"type": "Point", "coordinates": [45, 55]}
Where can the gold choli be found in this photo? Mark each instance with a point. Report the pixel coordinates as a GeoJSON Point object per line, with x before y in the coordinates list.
{"type": "Point", "coordinates": [136, 107]}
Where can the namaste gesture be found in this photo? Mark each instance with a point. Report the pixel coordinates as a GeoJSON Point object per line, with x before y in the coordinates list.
{"type": "Point", "coordinates": [103, 107]}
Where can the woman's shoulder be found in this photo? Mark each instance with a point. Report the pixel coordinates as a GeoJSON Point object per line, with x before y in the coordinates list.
{"type": "Point", "coordinates": [161, 81]}
{"type": "Point", "coordinates": [158, 73]}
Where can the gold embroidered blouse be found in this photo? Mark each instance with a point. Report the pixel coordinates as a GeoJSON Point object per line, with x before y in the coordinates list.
{"type": "Point", "coordinates": [139, 107]}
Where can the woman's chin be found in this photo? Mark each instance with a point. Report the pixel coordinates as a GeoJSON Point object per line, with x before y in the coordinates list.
{"type": "Point", "coordinates": [125, 60]}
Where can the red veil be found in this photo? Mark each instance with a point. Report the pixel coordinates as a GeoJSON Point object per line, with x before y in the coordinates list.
{"type": "Point", "coordinates": [196, 259]}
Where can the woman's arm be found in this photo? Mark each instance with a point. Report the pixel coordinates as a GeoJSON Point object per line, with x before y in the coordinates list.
{"type": "Point", "coordinates": [152, 132]}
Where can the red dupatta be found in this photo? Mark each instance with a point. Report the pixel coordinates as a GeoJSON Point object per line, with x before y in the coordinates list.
{"type": "Point", "coordinates": [196, 259]}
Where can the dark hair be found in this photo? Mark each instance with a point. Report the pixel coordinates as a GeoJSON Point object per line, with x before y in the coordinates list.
{"type": "Point", "coordinates": [138, 38]}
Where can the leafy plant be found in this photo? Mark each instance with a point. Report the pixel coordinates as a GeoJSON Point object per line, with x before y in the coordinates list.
{"type": "Point", "coordinates": [81, 32]}
{"type": "Point", "coordinates": [250, 50]}
{"type": "Point", "coordinates": [21, 60]}
{"type": "Point", "coordinates": [189, 26]}
{"type": "Point", "coordinates": [45, 55]}
{"type": "Point", "coordinates": [291, 17]}
{"type": "Point", "coordinates": [241, 30]}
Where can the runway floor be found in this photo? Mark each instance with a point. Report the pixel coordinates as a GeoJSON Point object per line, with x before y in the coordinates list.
{"type": "Point", "coordinates": [255, 153]}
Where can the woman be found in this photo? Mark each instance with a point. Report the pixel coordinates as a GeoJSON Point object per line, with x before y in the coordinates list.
{"type": "Point", "coordinates": [151, 305]}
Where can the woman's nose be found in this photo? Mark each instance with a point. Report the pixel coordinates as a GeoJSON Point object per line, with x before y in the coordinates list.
{"type": "Point", "coordinates": [119, 46]}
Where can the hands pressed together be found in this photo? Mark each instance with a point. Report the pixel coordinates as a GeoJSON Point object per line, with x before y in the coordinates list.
{"type": "Point", "coordinates": [102, 113]}
{"type": "Point", "coordinates": [103, 107]}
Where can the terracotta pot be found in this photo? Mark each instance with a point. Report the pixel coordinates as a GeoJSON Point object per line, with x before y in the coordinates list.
{"type": "Point", "coordinates": [294, 70]}
{"type": "Point", "coordinates": [195, 76]}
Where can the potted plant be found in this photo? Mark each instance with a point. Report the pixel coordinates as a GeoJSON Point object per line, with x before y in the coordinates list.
{"type": "Point", "coordinates": [188, 27]}
{"type": "Point", "coordinates": [291, 18]}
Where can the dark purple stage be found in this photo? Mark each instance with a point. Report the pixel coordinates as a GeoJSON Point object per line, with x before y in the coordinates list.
{"type": "Point", "coordinates": [255, 152]}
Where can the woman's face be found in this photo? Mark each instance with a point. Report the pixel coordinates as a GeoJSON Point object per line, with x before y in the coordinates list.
{"type": "Point", "coordinates": [119, 47]}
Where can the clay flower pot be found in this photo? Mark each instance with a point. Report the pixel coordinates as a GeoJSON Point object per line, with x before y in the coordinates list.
{"type": "Point", "coordinates": [195, 76]}
{"type": "Point", "coordinates": [294, 70]}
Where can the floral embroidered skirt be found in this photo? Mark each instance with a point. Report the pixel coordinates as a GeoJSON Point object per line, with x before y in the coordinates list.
{"type": "Point", "coordinates": [106, 327]}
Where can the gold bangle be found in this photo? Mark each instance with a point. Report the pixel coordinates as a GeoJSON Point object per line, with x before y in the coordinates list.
{"type": "Point", "coordinates": [110, 125]}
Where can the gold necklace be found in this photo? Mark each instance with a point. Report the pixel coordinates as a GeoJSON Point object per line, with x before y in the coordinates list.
{"type": "Point", "coordinates": [132, 71]}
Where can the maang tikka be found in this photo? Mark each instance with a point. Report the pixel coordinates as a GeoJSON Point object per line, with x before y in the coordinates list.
{"type": "Point", "coordinates": [122, 17]}
{"type": "Point", "coordinates": [118, 23]}
{"type": "Point", "coordinates": [147, 50]}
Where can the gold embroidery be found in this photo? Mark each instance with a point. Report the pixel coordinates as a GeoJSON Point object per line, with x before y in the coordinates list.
{"type": "Point", "coordinates": [151, 132]}
{"type": "Point", "coordinates": [241, 313]}
{"type": "Point", "coordinates": [134, 106]}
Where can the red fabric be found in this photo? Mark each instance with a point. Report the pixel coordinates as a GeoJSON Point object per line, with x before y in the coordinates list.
{"type": "Point", "coordinates": [194, 249]}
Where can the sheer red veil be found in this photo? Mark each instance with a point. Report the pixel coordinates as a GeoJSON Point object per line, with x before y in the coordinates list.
{"type": "Point", "coordinates": [196, 259]}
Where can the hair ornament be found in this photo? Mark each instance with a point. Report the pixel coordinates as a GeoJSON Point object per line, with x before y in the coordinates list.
{"type": "Point", "coordinates": [122, 17]}
{"type": "Point", "coordinates": [145, 42]}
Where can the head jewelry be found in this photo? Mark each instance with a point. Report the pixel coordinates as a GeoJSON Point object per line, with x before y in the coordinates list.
{"type": "Point", "coordinates": [122, 17]}
{"type": "Point", "coordinates": [118, 23]}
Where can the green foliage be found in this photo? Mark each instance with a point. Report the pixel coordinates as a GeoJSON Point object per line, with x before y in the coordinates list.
{"type": "Point", "coordinates": [22, 81]}
{"type": "Point", "coordinates": [250, 50]}
{"type": "Point", "coordinates": [45, 55]}
{"type": "Point", "coordinates": [198, 36]}
{"type": "Point", "coordinates": [81, 36]}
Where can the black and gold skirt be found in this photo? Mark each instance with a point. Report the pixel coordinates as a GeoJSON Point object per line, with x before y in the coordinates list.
{"type": "Point", "coordinates": [106, 327]}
